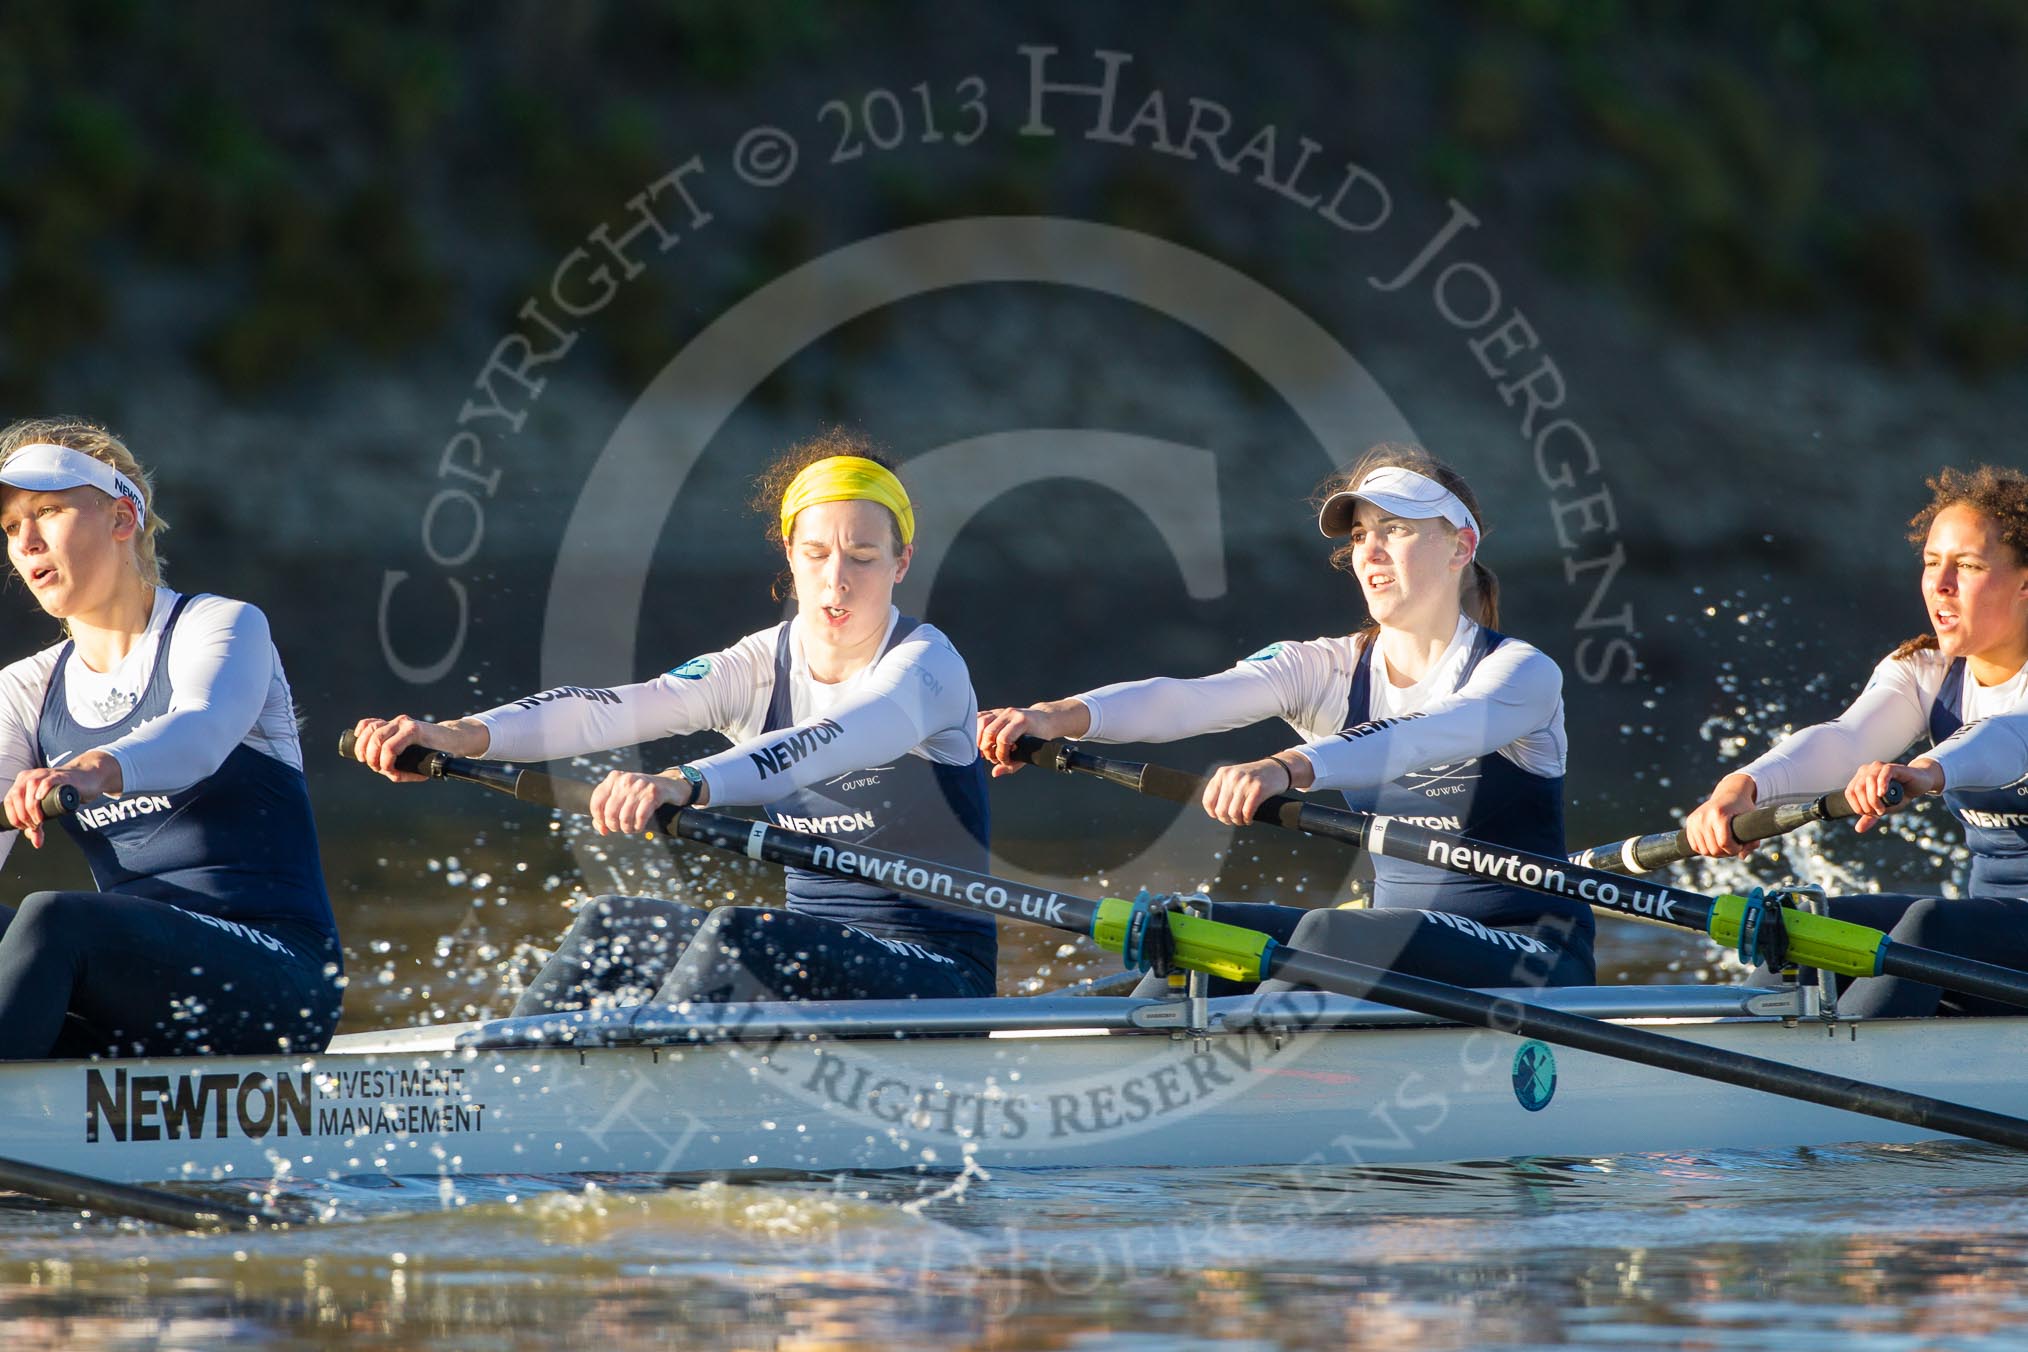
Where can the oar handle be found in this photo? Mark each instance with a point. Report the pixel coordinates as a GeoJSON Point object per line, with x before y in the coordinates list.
{"type": "Point", "coordinates": [530, 786]}
{"type": "Point", "coordinates": [61, 801]}
{"type": "Point", "coordinates": [1644, 854]}
{"type": "Point", "coordinates": [1156, 781]}
{"type": "Point", "coordinates": [417, 760]}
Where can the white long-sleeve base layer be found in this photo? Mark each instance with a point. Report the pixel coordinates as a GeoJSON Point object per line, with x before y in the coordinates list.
{"type": "Point", "coordinates": [1512, 705]}
{"type": "Point", "coordinates": [227, 689]}
{"type": "Point", "coordinates": [1891, 714]}
{"type": "Point", "coordinates": [916, 699]}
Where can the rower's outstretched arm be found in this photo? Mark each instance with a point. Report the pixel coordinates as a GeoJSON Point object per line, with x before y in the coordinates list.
{"type": "Point", "coordinates": [919, 694]}
{"type": "Point", "coordinates": [21, 686]}
{"type": "Point", "coordinates": [1294, 682]}
{"type": "Point", "coordinates": [1517, 691]}
{"type": "Point", "coordinates": [1888, 715]}
{"type": "Point", "coordinates": [713, 692]}
{"type": "Point", "coordinates": [1989, 754]}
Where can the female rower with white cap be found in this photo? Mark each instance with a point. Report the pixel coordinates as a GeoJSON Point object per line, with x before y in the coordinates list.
{"type": "Point", "coordinates": [1426, 713]}
{"type": "Point", "coordinates": [1961, 689]}
{"type": "Point", "coordinates": [210, 929]}
{"type": "Point", "coordinates": [850, 720]}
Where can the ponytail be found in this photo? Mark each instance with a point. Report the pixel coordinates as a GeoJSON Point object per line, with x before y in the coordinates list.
{"type": "Point", "coordinates": [1920, 643]}
{"type": "Point", "coordinates": [1481, 598]}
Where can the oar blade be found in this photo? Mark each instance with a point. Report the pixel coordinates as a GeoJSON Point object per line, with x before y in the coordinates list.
{"type": "Point", "coordinates": [105, 1197]}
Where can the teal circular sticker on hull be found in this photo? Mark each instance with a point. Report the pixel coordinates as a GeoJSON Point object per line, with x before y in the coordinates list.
{"type": "Point", "coordinates": [1534, 1075]}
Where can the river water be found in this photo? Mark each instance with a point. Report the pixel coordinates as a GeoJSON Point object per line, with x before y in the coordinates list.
{"type": "Point", "coordinates": [1909, 1247]}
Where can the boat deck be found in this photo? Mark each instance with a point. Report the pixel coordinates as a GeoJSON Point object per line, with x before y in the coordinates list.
{"type": "Point", "coordinates": [1049, 1081]}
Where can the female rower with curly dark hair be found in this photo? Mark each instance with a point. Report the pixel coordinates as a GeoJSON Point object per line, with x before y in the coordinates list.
{"type": "Point", "coordinates": [1961, 688]}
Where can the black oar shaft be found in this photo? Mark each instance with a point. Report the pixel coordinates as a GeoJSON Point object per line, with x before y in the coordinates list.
{"type": "Point", "coordinates": [938, 883]}
{"type": "Point", "coordinates": [1967, 976]}
{"type": "Point", "coordinates": [944, 885]}
{"type": "Point", "coordinates": [123, 1199]}
{"type": "Point", "coordinates": [1651, 1049]}
{"type": "Point", "coordinates": [1401, 839]}
{"type": "Point", "coordinates": [958, 888]}
{"type": "Point", "coordinates": [1812, 940]}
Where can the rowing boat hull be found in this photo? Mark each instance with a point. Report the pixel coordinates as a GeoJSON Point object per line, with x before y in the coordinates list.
{"type": "Point", "coordinates": [807, 1095]}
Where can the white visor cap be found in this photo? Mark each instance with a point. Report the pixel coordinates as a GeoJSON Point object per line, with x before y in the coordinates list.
{"type": "Point", "coordinates": [1397, 492]}
{"type": "Point", "coordinates": [46, 468]}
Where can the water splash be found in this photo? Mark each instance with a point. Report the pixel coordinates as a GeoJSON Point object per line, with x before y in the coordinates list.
{"type": "Point", "coordinates": [1764, 695]}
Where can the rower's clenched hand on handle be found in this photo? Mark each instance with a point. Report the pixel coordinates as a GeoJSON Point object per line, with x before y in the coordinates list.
{"type": "Point", "coordinates": [625, 802]}
{"type": "Point", "coordinates": [1233, 792]}
{"type": "Point", "coordinates": [999, 729]}
{"type": "Point", "coordinates": [1868, 787]}
{"type": "Point", "coordinates": [1709, 827]}
{"type": "Point", "coordinates": [94, 774]}
{"type": "Point", "coordinates": [378, 741]}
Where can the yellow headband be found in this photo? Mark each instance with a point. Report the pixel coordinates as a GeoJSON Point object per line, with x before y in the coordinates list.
{"type": "Point", "coordinates": [847, 478]}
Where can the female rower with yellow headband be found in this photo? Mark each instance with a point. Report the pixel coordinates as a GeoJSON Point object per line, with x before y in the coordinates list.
{"type": "Point", "coordinates": [850, 721]}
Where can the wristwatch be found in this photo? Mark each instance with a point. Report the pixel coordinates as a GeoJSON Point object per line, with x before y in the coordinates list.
{"type": "Point", "coordinates": [697, 786]}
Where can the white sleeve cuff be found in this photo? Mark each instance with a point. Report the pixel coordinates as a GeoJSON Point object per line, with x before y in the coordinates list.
{"type": "Point", "coordinates": [1097, 724]}
{"type": "Point", "coordinates": [126, 765]}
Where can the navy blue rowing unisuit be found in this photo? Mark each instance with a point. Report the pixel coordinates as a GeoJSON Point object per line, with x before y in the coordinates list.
{"type": "Point", "coordinates": [913, 806]}
{"type": "Point", "coordinates": [1489, 798]}
{"type": "Point", "coordinates": [210, 933]}
{"type": "Point", "coordinates": [1995, 821]}
{"type": "Point", "coordinates": [240, 845]}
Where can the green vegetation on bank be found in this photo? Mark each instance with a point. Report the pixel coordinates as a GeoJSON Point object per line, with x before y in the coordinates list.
{"type": "Point", "coordinates": [341, 181]}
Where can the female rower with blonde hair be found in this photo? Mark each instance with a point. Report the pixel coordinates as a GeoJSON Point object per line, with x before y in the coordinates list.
{"type": "Point", "coordinates": [210, 929]}
{"type": "Point", "coordinates": [1961, 688]}
{"type": "Point", "coordinates": [1426, 712]}
{"type": "Point", "coordinates": [849, 720]}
